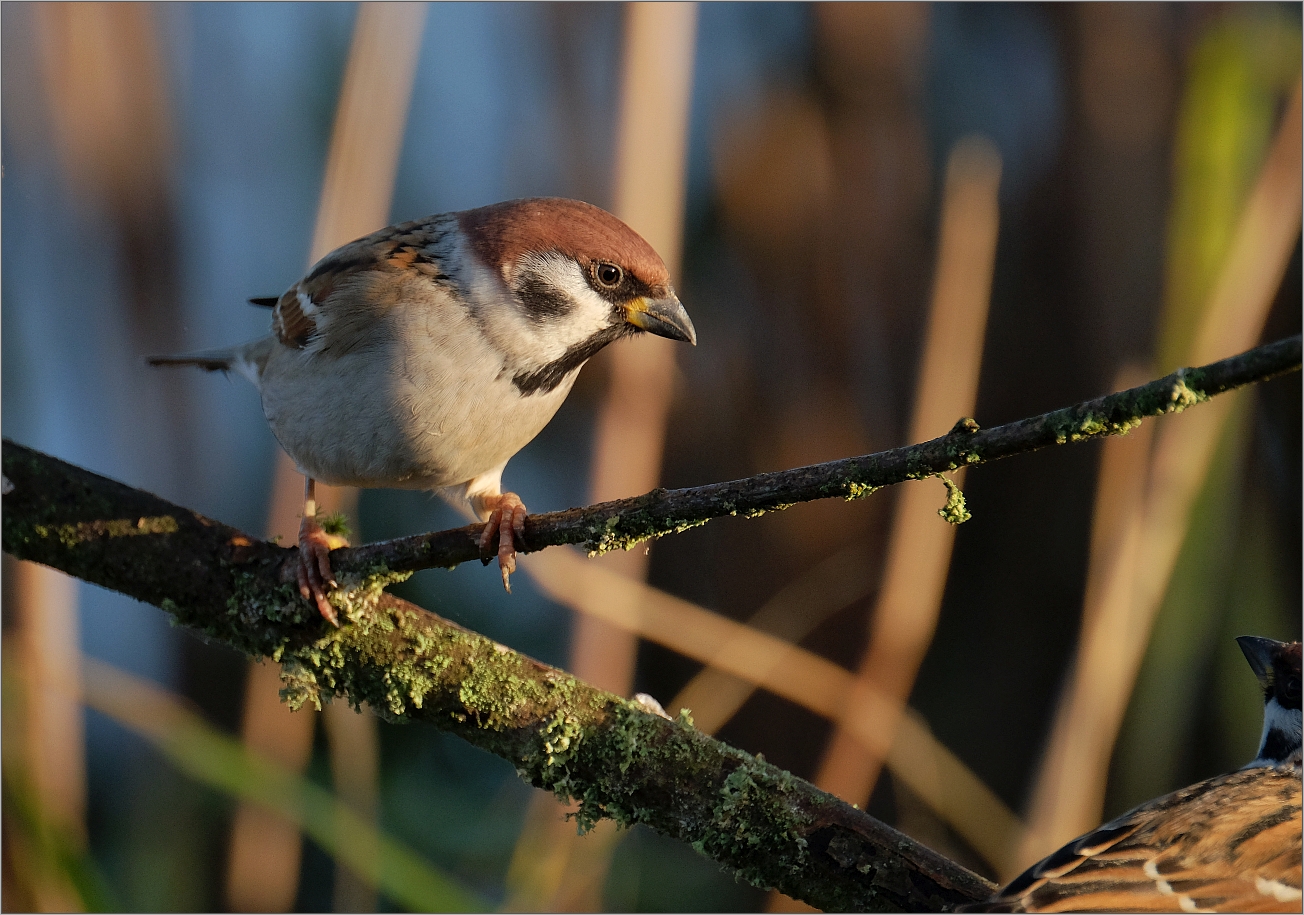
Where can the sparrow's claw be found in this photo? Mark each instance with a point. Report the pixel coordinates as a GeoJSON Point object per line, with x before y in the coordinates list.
{"type": "Point", "coordinates": [507, 522]}
{"type": "Point", "coordinates": [314, 572]}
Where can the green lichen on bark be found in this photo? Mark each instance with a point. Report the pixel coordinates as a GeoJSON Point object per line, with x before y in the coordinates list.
{"type": "Point", "coordinates": [250, 604]}
{"type": "Point", "coordinates": [755, 824]}
{"type": "Point", "coordinates": [756, 819]}
{"type": "Point", "coordinates": [628, 529]}
{"type": "Point", "coordinates": [598, 774]}
{"type": "Point", "coordinates": [336, 524]}
{"type": "Point", "coordinates": [561, 737]}
{"type": "Point", "coordinates": [70, 535]}
{"type": "Point", "coordinates": [954, 511]}
{"type": "Point", "coordinates": [757, 511]}
{"type": "Point", "coordinates": [1123, 412]}
{"type": "Point", "coordinates": [1091, 425]}
{"type": "Point", "coordinates": [860, 490]}
{"type": "Point", "coordinates": [1181, 395]}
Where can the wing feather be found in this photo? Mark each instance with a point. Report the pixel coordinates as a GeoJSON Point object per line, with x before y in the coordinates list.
{"type": "Point", "coordinates": [1228, 844]}
{"type": "Point", "coordinates": [348, 286]}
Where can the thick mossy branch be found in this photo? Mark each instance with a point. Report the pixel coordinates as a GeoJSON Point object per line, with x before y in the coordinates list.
{"type": "Point", "coordinates": [627, 522]}
{"type": "Point", "coordinates": [617, 760]}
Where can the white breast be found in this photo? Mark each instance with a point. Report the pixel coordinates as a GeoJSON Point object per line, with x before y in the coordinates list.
{"type": "Point", "coordinates": [422, 401]}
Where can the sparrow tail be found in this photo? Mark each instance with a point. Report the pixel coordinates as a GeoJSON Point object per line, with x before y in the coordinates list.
{"type": "Point", "coordinates": [209, 360]}
{"type": "Point", "coordinates": [246, 360]}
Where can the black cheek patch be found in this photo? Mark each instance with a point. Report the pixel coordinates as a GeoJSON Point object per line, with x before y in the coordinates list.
{"type": "Point", "coordinates": [1277, 746]}
{"type": "Point", "coordinates": [542, 301]}
{"type": "Point", "coordinates": [1285, 686]}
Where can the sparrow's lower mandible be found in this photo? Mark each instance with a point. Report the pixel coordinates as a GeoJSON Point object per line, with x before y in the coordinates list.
{"type": "Point", "coordinates": [425, 355]}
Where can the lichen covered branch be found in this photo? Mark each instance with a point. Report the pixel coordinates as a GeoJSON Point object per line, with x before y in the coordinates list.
{"type": "Point", "coordinates": [626, 522]}
{"type": "Point", "coordinates": [617, 760]}
{"type": "Point", "coordinates": [610, 755]}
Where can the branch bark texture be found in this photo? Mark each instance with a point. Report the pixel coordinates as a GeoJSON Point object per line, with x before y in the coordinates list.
{"type": "Point", "coordinates": [624, 523]}
{"type": "Point", "coordinates": [617, 760]}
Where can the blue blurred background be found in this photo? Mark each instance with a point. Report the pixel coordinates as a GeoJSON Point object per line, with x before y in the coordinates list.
{"type": "Point", "coordinates": [818, 138]}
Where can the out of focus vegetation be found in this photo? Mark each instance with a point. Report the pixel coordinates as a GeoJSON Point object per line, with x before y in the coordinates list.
{"type": "Point", "coordinates": [163, 163]}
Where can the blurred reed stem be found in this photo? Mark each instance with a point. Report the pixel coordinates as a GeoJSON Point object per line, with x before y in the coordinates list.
{"type": "Point", "coordinates": [103, 83]}
{"type": "Point", "coordinates": [919, 546]}
{"type": "Point", "coordinates": [552, 867]}
{"type": "Point", "coordinates": [49, 655]}
{"type": "Point", "coordinates": [1127, 585]}
{"type": "Point", "coordinates": [360, 170]}
{"type": "Point", "coordinates": [44, 735]}
{"type": "Point", "coordinates": [1068, 789]}
{"type": "Point", "coordinates": [106, 82]}
{"type": "Point", "coordinates": [227, 765]}
{"type": "Point", "coordinates": [1192, 531]}
{"type": "Point", "coordinates": [793, 673]}
{"type": "Point", "coordinates": [262, 872]}
{"type": "Point", "coordinates": [791, 614]}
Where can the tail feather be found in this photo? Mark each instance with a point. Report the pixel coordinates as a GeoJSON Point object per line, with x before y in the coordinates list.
{"type": "Point", "coordinates": [210, 360]}
{"type": "Point", "coordinates": [248, 359]}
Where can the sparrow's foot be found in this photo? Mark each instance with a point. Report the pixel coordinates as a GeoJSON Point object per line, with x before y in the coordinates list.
{"type": "Point", "coordinates": [314, 571]}
{"type": "Point", "coordinates": [507, 523]}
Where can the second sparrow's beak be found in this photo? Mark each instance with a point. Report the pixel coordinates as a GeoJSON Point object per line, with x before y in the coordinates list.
{"type": "Point", "coordinates": [664, 317]}
{"type": "Point", "coordinates": [1259, 652]}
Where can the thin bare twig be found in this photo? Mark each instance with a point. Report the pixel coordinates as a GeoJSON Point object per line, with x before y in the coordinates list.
{"type": "Point", "coordinates": [903, 619]}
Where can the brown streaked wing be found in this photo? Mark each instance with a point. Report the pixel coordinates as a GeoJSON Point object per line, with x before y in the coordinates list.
{"type": "Point", "coordinates": [347, 274]}
{"type": "Point", "coordinates": [1231, 843]}
{"type": "Point", "coordinates": [289, 323]}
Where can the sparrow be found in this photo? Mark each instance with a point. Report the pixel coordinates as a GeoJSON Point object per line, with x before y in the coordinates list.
{"type": "Point", "coordinates": [426, 354]}
{"type": "Point", "coordinates": [1226, 844]}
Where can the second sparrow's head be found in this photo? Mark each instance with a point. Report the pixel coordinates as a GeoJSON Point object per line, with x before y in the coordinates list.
{"type": "Point", "coordinates": [1277, 665]}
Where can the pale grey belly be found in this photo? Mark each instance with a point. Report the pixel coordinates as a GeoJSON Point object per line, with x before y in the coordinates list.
{"type": "Point", "coordinates": [381, 423]}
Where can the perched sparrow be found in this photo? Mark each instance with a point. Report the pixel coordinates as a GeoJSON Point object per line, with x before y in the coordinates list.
{"type": "Point", "coordinates": [425, 355]}
{"type": "Point", "coordinates": [1227, 844]}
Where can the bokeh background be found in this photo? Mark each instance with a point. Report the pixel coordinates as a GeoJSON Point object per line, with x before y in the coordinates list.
{"type": "Point", "coordinates": [874, 213]}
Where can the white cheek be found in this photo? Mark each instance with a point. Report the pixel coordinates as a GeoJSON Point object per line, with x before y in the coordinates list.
{"type": "Point", "coordinates": [591, 314]}
{"type": "Point", "coordinates": [1282, 719]}
{"type": "Point", "coordinates": [542, 341]}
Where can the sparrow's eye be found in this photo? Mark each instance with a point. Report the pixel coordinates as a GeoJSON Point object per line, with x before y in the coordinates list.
{"type": "Point", "coordinates": [608, 275]}
{"type": "Point", "coordinates": [1292, 688]}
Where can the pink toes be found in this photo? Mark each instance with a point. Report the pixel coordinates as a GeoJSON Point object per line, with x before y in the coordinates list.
{"type": "Point", "coordinates": [314, 572]}
{"type": "Point", "coordinates": [507, 522]}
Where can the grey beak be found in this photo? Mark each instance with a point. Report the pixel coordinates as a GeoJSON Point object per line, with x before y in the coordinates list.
{"type": "Point", "coordinates": [1259, 651]}
{"type": "Point", "coordinates": [664, 317]}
